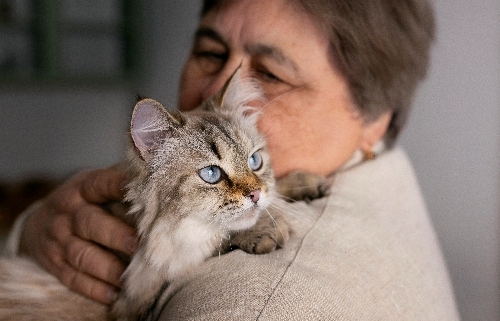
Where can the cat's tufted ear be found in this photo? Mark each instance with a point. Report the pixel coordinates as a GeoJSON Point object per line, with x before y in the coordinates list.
{"type": "Point", "coordinates": [230, 90]}
{"type": "Point", "coordinates": [150, 126]}
{"type": "Point", "coordinates": [237, 92]}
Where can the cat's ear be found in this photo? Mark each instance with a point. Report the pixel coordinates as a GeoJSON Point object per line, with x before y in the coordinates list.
{"type": "Point", "coordinates": [150, 126]}
{"type": "Point", "coordinates": [228, 92]}
{"type": "Point", "coordinates": [237, 92]}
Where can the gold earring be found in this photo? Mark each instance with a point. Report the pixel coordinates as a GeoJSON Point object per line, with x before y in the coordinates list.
{"type": "Point", "coordinates": [369, 155]}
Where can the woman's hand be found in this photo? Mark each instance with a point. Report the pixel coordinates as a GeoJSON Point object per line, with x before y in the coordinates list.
{"type": "Point", "coordinates": [67, 232]}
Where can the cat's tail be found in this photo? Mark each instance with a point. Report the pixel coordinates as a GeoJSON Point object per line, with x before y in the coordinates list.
{"type": "Point", "coordinates": [28, 293]}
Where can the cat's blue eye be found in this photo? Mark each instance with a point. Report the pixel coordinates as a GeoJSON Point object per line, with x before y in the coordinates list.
{"type": "Point", "coordinates": [255, 161]}
{"type": "Point", "coordinates": [210, 174]}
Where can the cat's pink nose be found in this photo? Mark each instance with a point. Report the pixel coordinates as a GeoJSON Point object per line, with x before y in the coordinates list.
{"type": "Point", "coordinates": [254, 195]}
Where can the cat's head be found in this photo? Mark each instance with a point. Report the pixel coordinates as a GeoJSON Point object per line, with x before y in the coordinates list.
{"type": "Point", "coordinates": [211, 163]}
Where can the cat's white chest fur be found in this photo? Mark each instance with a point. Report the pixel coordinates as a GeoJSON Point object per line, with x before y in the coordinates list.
{"type": "Point", "coordinates": [169, 254]}
{"type": "Point", "coordinates": [171, 251]}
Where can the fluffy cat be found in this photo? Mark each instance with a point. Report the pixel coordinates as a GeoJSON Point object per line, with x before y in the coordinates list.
{"type": "Point", "coordinates": [199, 183]}
{"type": "Point", "coordinates": [220, 171]}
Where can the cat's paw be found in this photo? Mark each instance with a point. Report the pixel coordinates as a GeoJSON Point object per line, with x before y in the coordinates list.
{"type": "Point", "coordinates": [271, 231]}
{"type": "Point", "coordinates": [302, 186]}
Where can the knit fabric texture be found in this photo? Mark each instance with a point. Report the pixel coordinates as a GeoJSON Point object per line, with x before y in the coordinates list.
{"type": "Point", "coordinates": [366, 252]}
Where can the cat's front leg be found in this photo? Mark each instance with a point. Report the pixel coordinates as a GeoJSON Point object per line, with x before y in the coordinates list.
{"type": "Point", "coordinates": [141, 285]}
{"type": "Point", "coordinates": [271, 231]}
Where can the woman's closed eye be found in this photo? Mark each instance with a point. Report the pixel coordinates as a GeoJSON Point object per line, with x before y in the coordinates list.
{"type": "Point", "coordinates": [267, 76]}
{"type": "Point", "coordinates": [210, 54]}
{"type": "Point", "coordinates": [273, 82]}
{"type": "Point", "coordinates": [210, 61]}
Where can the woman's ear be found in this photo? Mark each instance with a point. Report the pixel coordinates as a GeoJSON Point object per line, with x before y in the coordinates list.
{"type": "Point", "coordinates": [374, 131]}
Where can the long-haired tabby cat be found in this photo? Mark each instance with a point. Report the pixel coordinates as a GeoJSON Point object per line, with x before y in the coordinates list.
{"type": "Point", "coordinates": [199, 183]}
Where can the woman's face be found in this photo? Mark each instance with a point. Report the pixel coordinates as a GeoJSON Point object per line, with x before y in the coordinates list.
{"type": "Point", "coordinates": [310, 122]}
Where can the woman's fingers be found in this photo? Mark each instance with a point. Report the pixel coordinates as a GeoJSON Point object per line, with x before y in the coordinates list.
{"type": "Point", "coordinates": [87, 285]}
{"type": "Point", "coordinates": [78, 279]}
{"type": "Point", "coordinates": [93, 260]}
{"type": "Point", "coordinates": [93, 223]}
{"type": "Point", "coordinates": [70, 232]}
{"type": "Point", "coordinates": [103, 185]}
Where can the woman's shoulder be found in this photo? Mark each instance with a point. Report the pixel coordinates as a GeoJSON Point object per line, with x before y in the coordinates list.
{"type": "Point", "coordinates": [365, 252]}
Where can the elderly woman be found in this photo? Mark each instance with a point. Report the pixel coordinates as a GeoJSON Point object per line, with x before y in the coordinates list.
{"type": "Point", "coordinates": [340, 76]}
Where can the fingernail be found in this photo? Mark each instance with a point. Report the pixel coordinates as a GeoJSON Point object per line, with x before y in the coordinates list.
{"type": "Point", "coordinates": [131, 243]}
{"type": "Point", "coordinates": [112, 295]}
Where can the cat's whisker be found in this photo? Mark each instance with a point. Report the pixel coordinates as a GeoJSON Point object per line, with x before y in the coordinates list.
{"type": "Point", "coordinates": [299, 187]}
{"type": "Point", "coordinates": [276, 226]}
{"type": "Point", "coordinates": [276, 98]}
{"type": "Point", "coordinates": [220, 247]}
{"type": "Point", "coordinates": [291, 212]}
{"type": "Point", "coordinates": [211, 222]}
{"type": "Point", "coordinates": [286, 198]}
{"type": "Point", "coordinates": [224, 231]}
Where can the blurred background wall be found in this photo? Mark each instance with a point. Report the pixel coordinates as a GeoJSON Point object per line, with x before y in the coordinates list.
{"type": "Point", "coordinates": [454, 142]}
{"type": "Point", "coordinates": [55, 128]}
